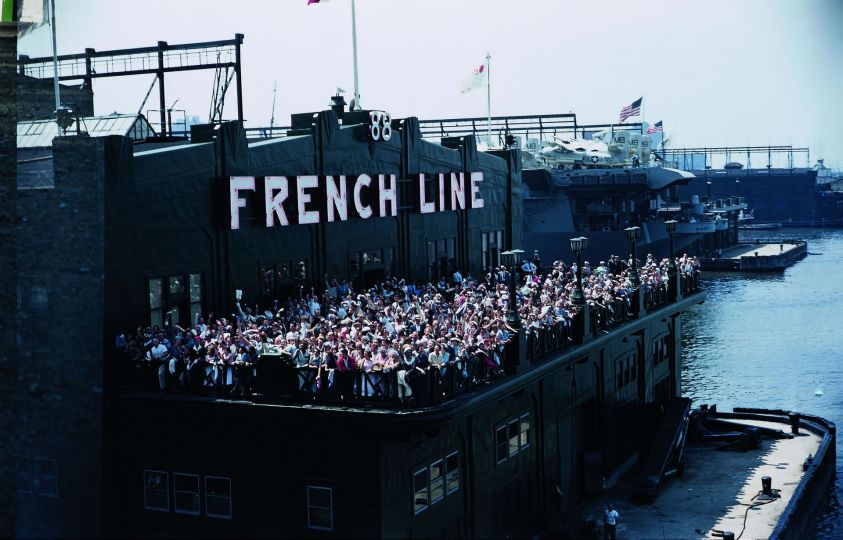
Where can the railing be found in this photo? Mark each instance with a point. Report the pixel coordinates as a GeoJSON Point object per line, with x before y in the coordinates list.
{"type": "Point", "coordinates": [604, 316]}
{"type": "Point", "coordinates": [655, 296]}
{"type": "Point", "coordinates": [276, 376]}
{"type": "Point", "coordinates": [548, 339]}
{"type": "Point", "coordinates": [690, 282]}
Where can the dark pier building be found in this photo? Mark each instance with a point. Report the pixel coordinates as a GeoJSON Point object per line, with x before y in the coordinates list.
{"type": "Point", "coordinates": [143, 232]}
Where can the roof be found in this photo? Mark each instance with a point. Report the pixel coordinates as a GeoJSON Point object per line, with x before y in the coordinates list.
{"type": "Point", "coordinates": [662, 177]}
{"type": "Point", "coordinates": [40, 133]}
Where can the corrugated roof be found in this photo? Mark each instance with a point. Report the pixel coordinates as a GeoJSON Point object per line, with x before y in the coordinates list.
{"type": "Point", "coordinates": [40, 133]}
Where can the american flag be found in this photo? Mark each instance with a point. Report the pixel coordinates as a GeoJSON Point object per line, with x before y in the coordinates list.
{"type": "Point", "coordinates": [655, 128]}
{"type": "Point", "coordinates": [631, 110]}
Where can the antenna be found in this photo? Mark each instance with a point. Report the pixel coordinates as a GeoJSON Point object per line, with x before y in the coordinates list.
{"type": "Point", "coordinates": [272, 119]}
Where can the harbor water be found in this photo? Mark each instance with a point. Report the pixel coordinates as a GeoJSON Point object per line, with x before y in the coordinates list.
{"type": "Point", "coordinates": [775, 341]}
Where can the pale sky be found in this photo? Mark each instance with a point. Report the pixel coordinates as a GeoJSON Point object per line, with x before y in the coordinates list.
{"type": "Point", "coordinates": [717, 72]}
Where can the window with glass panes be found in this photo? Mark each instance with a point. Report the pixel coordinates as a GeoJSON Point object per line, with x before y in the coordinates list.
{"type": "Point", "coordinates": [490, 245]}
{"type": "Point", "coordinates": [186, 489]}
{"type": "Point", "coordinates": [176, 298]}
{"type": "Point", "coordinates": [441, 258]}
{"type": "Point", "coordinates": [320, 508]}
{"type": "Point", "coordinates": [218, 497]}
{"type": "Point", "coordinates": [512, 437]}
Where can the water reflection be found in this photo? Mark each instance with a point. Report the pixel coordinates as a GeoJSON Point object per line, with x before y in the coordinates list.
{"type": "Point", "coordinates": [773, 340]}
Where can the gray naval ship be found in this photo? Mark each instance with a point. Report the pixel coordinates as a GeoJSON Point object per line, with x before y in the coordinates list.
{"type": "Point", "coordinates": [597, 180]}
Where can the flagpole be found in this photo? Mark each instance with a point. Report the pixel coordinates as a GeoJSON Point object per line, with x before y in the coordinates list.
{"type": "Point", "coordinates": [488, 101]}
{"type": "Point", "coordinates": [55, 58]}
{"type": "Point", "coordinates": [354, 50]}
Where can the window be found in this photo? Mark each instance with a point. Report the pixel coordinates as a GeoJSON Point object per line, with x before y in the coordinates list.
{"type": "Point", "coordinates": [218, 497]}
{"type": "Point", "coordinates": [156, 491]}
{"type": "Point", "coordinates": [421, 488]}
{"type": "Point", "coordinates": [44, 477]}
{"type": "Point", "coordinates": [156, 303]}
{"type": "Point", "coordinates": [500, 444]}
{"type": "Point", "coordinates": [512, 437]}
{"type": "Point", "coordinates": [441, 258]}
{"type": "Point", "coordinates": [525, 431]}
{"type": "Point", "coordinates": [437, 481]}
{"type": "Point", "coordinates": [23, 474]}
{"type": "Point", "coordinates": [195, 289]}
{"type": "Point", "coordinates": [186, 487]}
{"type": "Point", "coordinates": [320, 508]}
{"type": "Point", "coordinates": [491, 243]}
{"type": "Point", "coordinates": [452, 472]}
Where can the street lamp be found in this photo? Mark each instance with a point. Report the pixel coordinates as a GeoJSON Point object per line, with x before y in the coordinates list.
{"type": "Point", "coordinates": [578, 245]}
{"type": "Point", "coordinates": [512, 260]}
{"type": "Point", "coordinates": [632, 234]}
{"type": "Point", "coordinates": [670, 226]}
{"type": "Point", "coordinates": [708, 182]}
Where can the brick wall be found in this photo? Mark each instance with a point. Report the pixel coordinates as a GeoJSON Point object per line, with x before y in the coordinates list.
{"type": "Point", "coordinates": [36, 98]}
{"type": "Point", "coordinates": [7, 277]}
{"type": "Point", "coordinates": [60, 282]}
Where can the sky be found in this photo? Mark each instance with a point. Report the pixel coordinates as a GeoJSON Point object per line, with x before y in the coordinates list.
{"type": "Point", "coordinates": [716, 72]}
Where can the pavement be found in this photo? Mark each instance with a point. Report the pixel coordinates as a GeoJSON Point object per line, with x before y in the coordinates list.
{"type": "Point", "coordinates": [715, 492]}
{"type": "Point", "coordinates": [764, 250]}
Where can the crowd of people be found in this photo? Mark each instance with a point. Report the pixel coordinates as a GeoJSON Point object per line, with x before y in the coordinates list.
{"type": "Point", "coordinates": [396, 327]}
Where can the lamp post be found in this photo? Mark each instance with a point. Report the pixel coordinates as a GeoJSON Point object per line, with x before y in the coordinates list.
{"type": "Point", "coordinates": [512, 260]}
{"type": "Point", "coordinates": [632, 234]}
{"type": "Point", "coordinates": [708, 183]}
{"type": "Point", "coordinates": [670, 226]}
{"type": "Point", "coordinates": [578, 245]}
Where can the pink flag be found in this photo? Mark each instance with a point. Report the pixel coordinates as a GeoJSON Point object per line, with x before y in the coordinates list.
{"type": "Point", "coordinates": [312, 2]}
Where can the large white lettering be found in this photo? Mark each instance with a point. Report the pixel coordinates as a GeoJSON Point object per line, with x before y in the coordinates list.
{"type": "Point", "coordinates": [476, 201]}
{"type": "Point", "coordinates": [364, 211]}
{"type": "Point", "coordinates": [457, 191]}
{"type": "Point", "coordinates": [306, 217]}
{"type": "Point", "coordinates": [276, 189]}
{"type": "Point", "coordinates": [388, 194]}
{"type": "Point", "coordinates": [310, 203]}
{"type": "Point", "coordinates": [337, 203]}
{"type": "Point", "coordinates": [424, 206]}
{"type": "Point", "coordinates": [236, 185]}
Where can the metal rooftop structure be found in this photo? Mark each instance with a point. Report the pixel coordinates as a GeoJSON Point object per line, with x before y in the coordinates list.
{"type": "Point", "coordinates": [158, 60]}
{"type": "Point", "coordinates": [688, 158]}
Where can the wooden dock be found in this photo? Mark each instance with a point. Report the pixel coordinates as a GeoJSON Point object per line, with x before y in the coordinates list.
{"type": "Point", "coordinates": [757, 257]}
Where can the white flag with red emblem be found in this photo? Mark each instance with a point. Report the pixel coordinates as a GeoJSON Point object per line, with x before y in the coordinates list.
{"type": "Point", "coordinates": [475, 80]}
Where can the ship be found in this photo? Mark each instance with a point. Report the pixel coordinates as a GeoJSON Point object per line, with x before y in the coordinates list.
{"type": "Point", "coordinates": [780, 191]}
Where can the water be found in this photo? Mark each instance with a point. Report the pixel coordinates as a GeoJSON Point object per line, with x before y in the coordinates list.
{"type": "Point", "coordinates": [774, 341]}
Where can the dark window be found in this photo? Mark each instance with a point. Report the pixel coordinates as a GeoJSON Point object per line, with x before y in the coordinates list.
{"type": "Point", "coordinates": [186, 487]}
{"type": "Point", "coordinates": [500, 444]}
{"type": "Point", "coordinates": [320, 508]}
{"type": "Point", "coordinates": [44, 477]}
{"type": "Point", "coordinates": [388, 259]}
{"type": "Point", "coordinates": [156, 491]}
{"type": "Point", "coordinates": [23, 474]}
{"type": "Point", "coordinates": [218, 497]}
{"type": "Point", "coordinates": [437, 481]}
{"type": "Point", "coordinates": [421, 491]}
{"type": "Point", "coordinates": [195, 281]}
{"type": "Point", "coordinates": [452, 472]}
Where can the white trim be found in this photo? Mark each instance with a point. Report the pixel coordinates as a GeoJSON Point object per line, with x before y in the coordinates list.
{"type": "Point", "coordinates": [329, 508]}
{"type": "Point", "coordinates": [177, 491]}
{"type": "Point", "coordinates": [230, 510]}
{"type": "Point", "coordinates": [143, 485]}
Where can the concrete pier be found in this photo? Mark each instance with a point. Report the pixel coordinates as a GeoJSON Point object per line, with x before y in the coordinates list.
{"type": "Point", "coordinates": [718, 491]}
{"type": "Point", "coordinates": [758, 257]}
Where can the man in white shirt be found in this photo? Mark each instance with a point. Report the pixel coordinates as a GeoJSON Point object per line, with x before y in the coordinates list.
{"type": "Point", "coordinates": [610, 522]}
{"type": "Point", "coordinates": [157, 355]}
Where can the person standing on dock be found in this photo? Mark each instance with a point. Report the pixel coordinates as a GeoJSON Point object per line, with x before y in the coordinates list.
{"type": "Point", "coordinates": [610, 522]}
